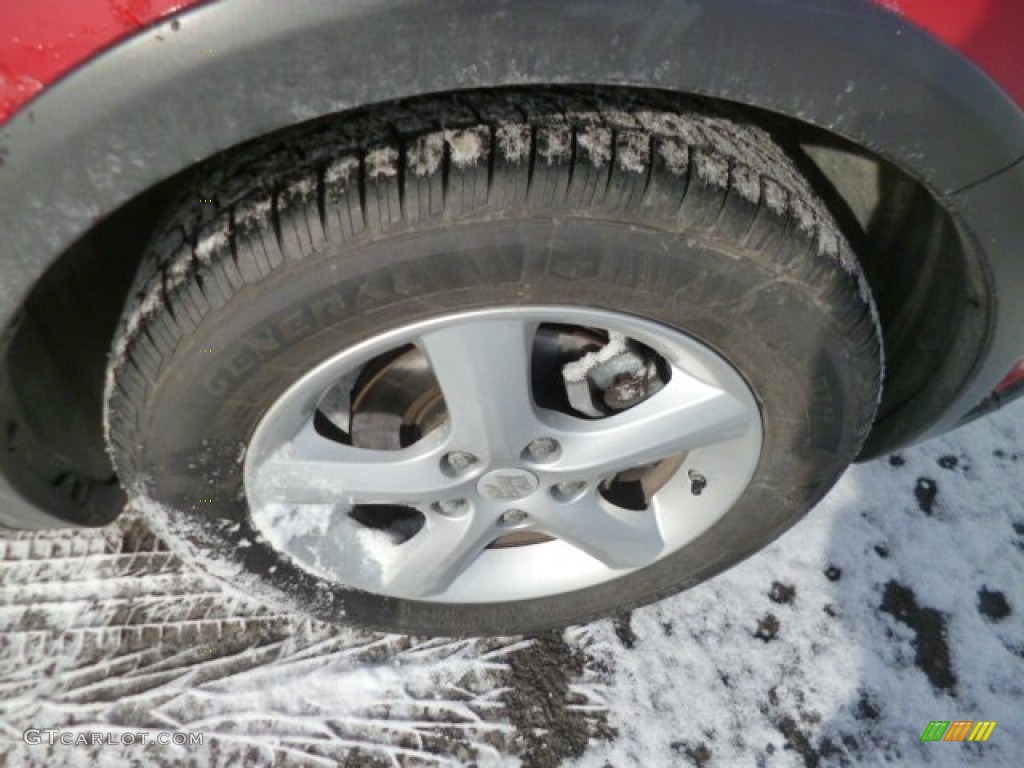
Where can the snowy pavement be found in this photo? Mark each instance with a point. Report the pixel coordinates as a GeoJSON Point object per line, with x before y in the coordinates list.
{"type": "Point", "coordinates": [899, 601]}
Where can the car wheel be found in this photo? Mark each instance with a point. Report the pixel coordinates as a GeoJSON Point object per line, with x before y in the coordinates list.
{"type": "Point", "coordinates": [491, 364]}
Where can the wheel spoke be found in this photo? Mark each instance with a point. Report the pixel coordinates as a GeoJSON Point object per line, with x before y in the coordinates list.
{"type": "Point", "coordinates": [618, 538]}
{"type": "Point", "coordinates": [483, 368]}
{"type": "Point", "coordinates": [432, 559]}
{"type": "Point", "coordinates": [314, 470]}
{"type": "Point", "coordinates": [686, 414]}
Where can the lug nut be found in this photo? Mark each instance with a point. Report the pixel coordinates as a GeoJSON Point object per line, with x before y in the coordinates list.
{"type": "Point", "coordinates": [542, 449]}
{"type": "Point", "coordinates": [452, 507]}
{"type": "Point", "coordinates": [513, 517]}
{"type": "Point", "coordinates": [568, 490]}
{"type": "Point", "coordinates": [459, 461]}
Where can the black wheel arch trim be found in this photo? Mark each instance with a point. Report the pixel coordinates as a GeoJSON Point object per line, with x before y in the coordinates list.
{"type": "Point", "coordinates": [224, 72]}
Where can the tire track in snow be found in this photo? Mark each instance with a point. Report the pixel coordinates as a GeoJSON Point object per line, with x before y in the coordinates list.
{"type": "Point", "coordinates": [105, 631]}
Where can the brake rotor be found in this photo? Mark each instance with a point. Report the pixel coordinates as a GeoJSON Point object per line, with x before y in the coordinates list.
{"type": "Point", "coordinates": [395, 402]}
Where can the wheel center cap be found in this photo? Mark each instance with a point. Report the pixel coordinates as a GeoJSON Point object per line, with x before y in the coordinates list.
{"type": "Point", "coordinates": [507, 484]}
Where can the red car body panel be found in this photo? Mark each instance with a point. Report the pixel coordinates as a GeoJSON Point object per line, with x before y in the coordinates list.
{"type": "Point", "coordinates": [988, 32]}
{"type": "Point", "coordinates": [41, 42]}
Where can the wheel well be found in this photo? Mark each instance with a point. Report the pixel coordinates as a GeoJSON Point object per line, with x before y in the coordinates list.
{"type": "Point", "coordinates": [926, 277]}
{"type": "Point", "coordinates": [927, 281]}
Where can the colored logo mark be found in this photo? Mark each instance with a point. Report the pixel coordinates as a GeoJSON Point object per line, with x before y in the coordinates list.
{"type": "Point", "coordinates": [958, 730]}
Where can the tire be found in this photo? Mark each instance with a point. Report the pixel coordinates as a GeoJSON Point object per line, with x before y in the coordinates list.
{"type": "Point", "coordinates": [653, 214]}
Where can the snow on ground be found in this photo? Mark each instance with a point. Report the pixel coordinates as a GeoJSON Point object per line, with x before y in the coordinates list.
{"type": "Point", "coordinates": [900, 600]}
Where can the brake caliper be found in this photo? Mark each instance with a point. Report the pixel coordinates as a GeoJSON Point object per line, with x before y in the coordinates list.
{"type": "Point", "coordinates": [618, 376]}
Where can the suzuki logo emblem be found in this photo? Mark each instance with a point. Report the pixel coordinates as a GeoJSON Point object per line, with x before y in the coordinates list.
{"type": "Point", "coordinates": [508, 484]}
